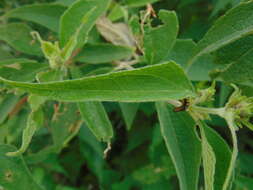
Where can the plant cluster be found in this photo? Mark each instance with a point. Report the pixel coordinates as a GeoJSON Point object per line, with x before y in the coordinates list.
{"type": "Point", "coordinates": [106, 94]}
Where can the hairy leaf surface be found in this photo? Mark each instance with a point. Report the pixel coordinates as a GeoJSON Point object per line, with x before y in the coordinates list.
{"type": "Point", "coordinates": [153, 83]}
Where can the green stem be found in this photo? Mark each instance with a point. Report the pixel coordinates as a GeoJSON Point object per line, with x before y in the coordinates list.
{"type": "Point", "coordinates": [229, 117]}
{"type": "Point", "coordinates": [213, 111]}
{"type": "Point", "coordinates": [175, 103]}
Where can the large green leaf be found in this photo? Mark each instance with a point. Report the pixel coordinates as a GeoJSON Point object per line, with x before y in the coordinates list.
{"type": "Point", "coordinates": [152, 83]}
{"type": "Point", "coordinates": [235, 24]}
{"type": "Point", "coordinates": [159, 41]}
{"type": "Point", "coordinates": [178, 131]}
{"type": "Point", "coordinates": [47, 15]}
{"type": "Point", "coordinates": [96, 119]}
{"type": "Point", "coordinates": [14, 173]}
{"type": "Point", "coordinates": [79, 18]}
{"type": "Point", "coordinates": [18, 36]}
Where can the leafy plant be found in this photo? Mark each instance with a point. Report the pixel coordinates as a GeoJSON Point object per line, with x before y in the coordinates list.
{"type": "Point", "coordinates": [102, 94]}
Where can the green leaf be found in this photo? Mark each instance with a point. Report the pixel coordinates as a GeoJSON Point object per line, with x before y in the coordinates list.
{"type": "Point", "coordinates": [46, 14]}
{"type": "Point", "coordinates": [31, 126]}
{"type": "Point", "coordinates": [244, 183]}
{"type": "Point", "coordinates": [183, 51]}
{"type": "Point", "coordinates": [14, 173]}
{"type": "Point", "coordinates": [239, 71]}
{"type": "Point", "coordinates": [14, 61]}
{"type": "Point", "coordinates": [152, 83]}
{"type": "Point", "coordinates": [49, 76]}
{"type": "Point", "coordinates": [64, 125]}
{"type": "Point", "coordinates": [139, 3]}
{"type": "Point", "coordinates": [178, 131]}
{"type": "Point", "coordinates": [33, 122]}
{"type": "Point", "coordinates": [103, 53]}
{"type": "Point", "coordinates": [21, 70]}
{"type": "Point", "coordinates": [4, 54]}
{"type": "Point", "coordinates": [129, 111]}
{"type": "Point", "coordinates": [235, 24]}
{"type": "Point", "coordinates": [233, 51]}
{"type": "Point", "coordinates": [235, 61]}
{"type": "Point", "coordinates": [7, 105]}
{"type": "Point", "coordinates": [96, 119]}
{"type": "Point", "coordinates": [79, 19]}
{"type": "Point", "coordinates": [209, 159]}
{"type": "Point", "coordinates": [18, 36]}
{"type": "Point", "coordinates": [65, 3]}
{"type": "Point", "coordinates": [92, 151]}
{"type": "Point", "coordinates": [117, 12]}
{"type": "Point", "coordinates": [159, 41]}
{"type": "Point", "coordinates": [222, 154]}
{"type": "Point", "coordinates": [222, 5]}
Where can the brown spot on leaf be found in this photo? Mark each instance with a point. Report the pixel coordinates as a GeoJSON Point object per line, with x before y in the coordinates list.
{"type": "Point", "coordinates": [8, 176]}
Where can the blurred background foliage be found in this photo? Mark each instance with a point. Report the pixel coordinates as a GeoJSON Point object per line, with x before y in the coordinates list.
{"type": "Point", "coordinates": [138, 159]}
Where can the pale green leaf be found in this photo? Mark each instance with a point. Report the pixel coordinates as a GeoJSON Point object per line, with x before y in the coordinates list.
{"type": "Point", "coordinates": [46, 14]}
{"type": "Point", "coordinates": [14, 172]}
{"type": "Point", "coordinates": [178, 131]}
{"type": "Point", "coordinates": [159, 41]}
{"type": "Point", "coordinates": [117, 33]}
{"type": "Point", "coordinates": [222, 154]}
{"type": "Point", "coordinates": [209, 159]}
{"type": "Point", "coordinates": [152, 83]}
{"type": "Point", "coordinates": [96, 119]}
{"type": "Point", "coordinates": [18, 36]}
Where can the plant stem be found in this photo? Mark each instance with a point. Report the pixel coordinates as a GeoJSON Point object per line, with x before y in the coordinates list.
{"type": "Point", "coordinates": [215, 111]}
{"type": "Point", "coordinates": [175, 103]}
{"type": "Point", "coordinates": [230, 120]}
